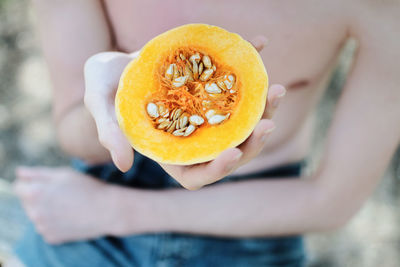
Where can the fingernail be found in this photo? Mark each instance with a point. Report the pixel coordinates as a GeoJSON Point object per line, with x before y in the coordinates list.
{"type": "Point", "coordinates": [234, 162]}
{"type": "Point", "coordinates": [277, 99]}
{"type": "Point", "coordinates": [266, 133]}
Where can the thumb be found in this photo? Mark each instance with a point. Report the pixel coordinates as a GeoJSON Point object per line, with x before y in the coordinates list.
{"type": "Point", "coordinates": [112, 138]}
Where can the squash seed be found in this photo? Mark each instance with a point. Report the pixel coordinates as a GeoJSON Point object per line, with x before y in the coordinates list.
{"type": "Point", "coordinates": [210, 113]}
{"type": "Point", "coordinates": [216, 119]}
{"type": "Point", "coordinates": [152, 110]}
{"type": "Point", "coordinates": [195, 69]}
{"type": "Point", "coordinates": [163, 125]}
{"type": "Point", "coordinates": [200, 68]}
{"type": "Point", "coordinates": [170, 123]}
{"type": "Point", "coordinates": [228, 84]}
{"type": "Point", "coordinates": [178, 113]}
{"type": "Point", "coordinates": [194, 57]}
{"type": "Point", "coordinates": [180, 81]}
{"type": "Point", "coordinates": [164, 112]}
{"type": "Point", "coordinates": [160, 120]}
{"type": "Point", "coordinates": [188, 72]}
{"type": "Point", "coordinates": [169, 73]}
{"type": "Point", "coordinates": [190, 129]}
{"type": "Point", "coordinates": [212, 88]}
{"type": "Point", "coordinates": [207, 62]}
{"type": "Point", "coordinates": [196, 120]}
{"type": "Point", "coordinates": [206, 75]}
{"type": "Point", "coordinates": [172, 114]}
{"type": "Point", "coordinates": [183, 120]}
{"type": "Point", "coordinates": [179, 132]}
{"type": "Point", "coordinates": [221, 85]}
{"type": "Point", "coordinates": [176, 72]}
{"type": "Point", "coordinates": [171, 128]}
{"type": "Point", "coordinates": [229, 81]}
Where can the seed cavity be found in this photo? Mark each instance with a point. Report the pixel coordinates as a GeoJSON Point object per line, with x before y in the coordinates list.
{"type": "Point", "coordinates": [192, 78]}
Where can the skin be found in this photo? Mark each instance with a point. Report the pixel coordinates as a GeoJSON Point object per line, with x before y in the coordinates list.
{"type": "Point", "coordinates": [304, 39]}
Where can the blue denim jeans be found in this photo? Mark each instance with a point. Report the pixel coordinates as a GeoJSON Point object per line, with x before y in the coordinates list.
{"type": "Point", "coordinates": [163, 249]}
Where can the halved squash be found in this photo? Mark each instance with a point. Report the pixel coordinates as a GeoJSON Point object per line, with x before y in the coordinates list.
{"type": "Point", "coordinates": [192, 92]}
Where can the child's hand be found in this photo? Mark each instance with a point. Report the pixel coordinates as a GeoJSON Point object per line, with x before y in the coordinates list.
{"type": "Point", "coordinates": [193, 177]}
{"type": "Point", "coordinates": [64, 205]}
{"type": "Point", "coordinates": [102, 73]}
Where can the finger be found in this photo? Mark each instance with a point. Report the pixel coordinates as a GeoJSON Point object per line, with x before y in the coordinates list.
{"type": "Point", "coordinates": [259, 42]}
{"type": "Point", "coordinates": [196, 176]}
{"type": "Point", "coordinates": [26, 191]}
{"type": "Point", "coordinates": [275, 94]}
{"type": "Point", "coordinates": [122, 154]}
{"type": "Point", "coordinates": [109, 133]}
{"type": "Point", "coordinates": [102, 73]}
{"type": "Point", "coordinates": [255, 143]}
{"type": "Point", "coordinates": [103, 70]}
{"type": "Point", "coordinates": [112, 138]}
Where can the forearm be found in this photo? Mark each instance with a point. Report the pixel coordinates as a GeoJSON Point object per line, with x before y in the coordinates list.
{"type": "Point", "coordinates": [251, 208]}
{"type": "Point", "coordinates": [71, 32]}
{"type": "Point", "coordinates": [77, 136]}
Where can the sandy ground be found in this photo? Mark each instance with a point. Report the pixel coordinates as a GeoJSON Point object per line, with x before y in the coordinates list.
{"type": "Point", "coordinates": [27, 137]}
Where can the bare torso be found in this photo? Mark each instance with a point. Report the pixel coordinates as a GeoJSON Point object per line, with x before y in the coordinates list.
{"type": "Point", "coordinates": [303, 43]}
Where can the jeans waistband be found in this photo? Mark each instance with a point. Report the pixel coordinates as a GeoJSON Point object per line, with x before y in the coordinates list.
{"type": "Point", "coordinates": [147, 174]}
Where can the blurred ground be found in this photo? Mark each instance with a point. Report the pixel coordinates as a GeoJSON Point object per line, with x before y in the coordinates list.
{"type": "Point", "coordinates": [27, 137]}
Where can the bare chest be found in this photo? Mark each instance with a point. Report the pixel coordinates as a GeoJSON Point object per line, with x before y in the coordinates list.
{"type": "Point", "coordinates": [303, 36]}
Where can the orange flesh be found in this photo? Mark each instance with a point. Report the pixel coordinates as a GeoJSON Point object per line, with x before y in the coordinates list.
{"type": "Point", "coordinates": [189, 97]}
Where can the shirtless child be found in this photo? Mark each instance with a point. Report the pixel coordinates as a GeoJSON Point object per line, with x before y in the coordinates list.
{"type": "Point", "coordinates": [225, 224]}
